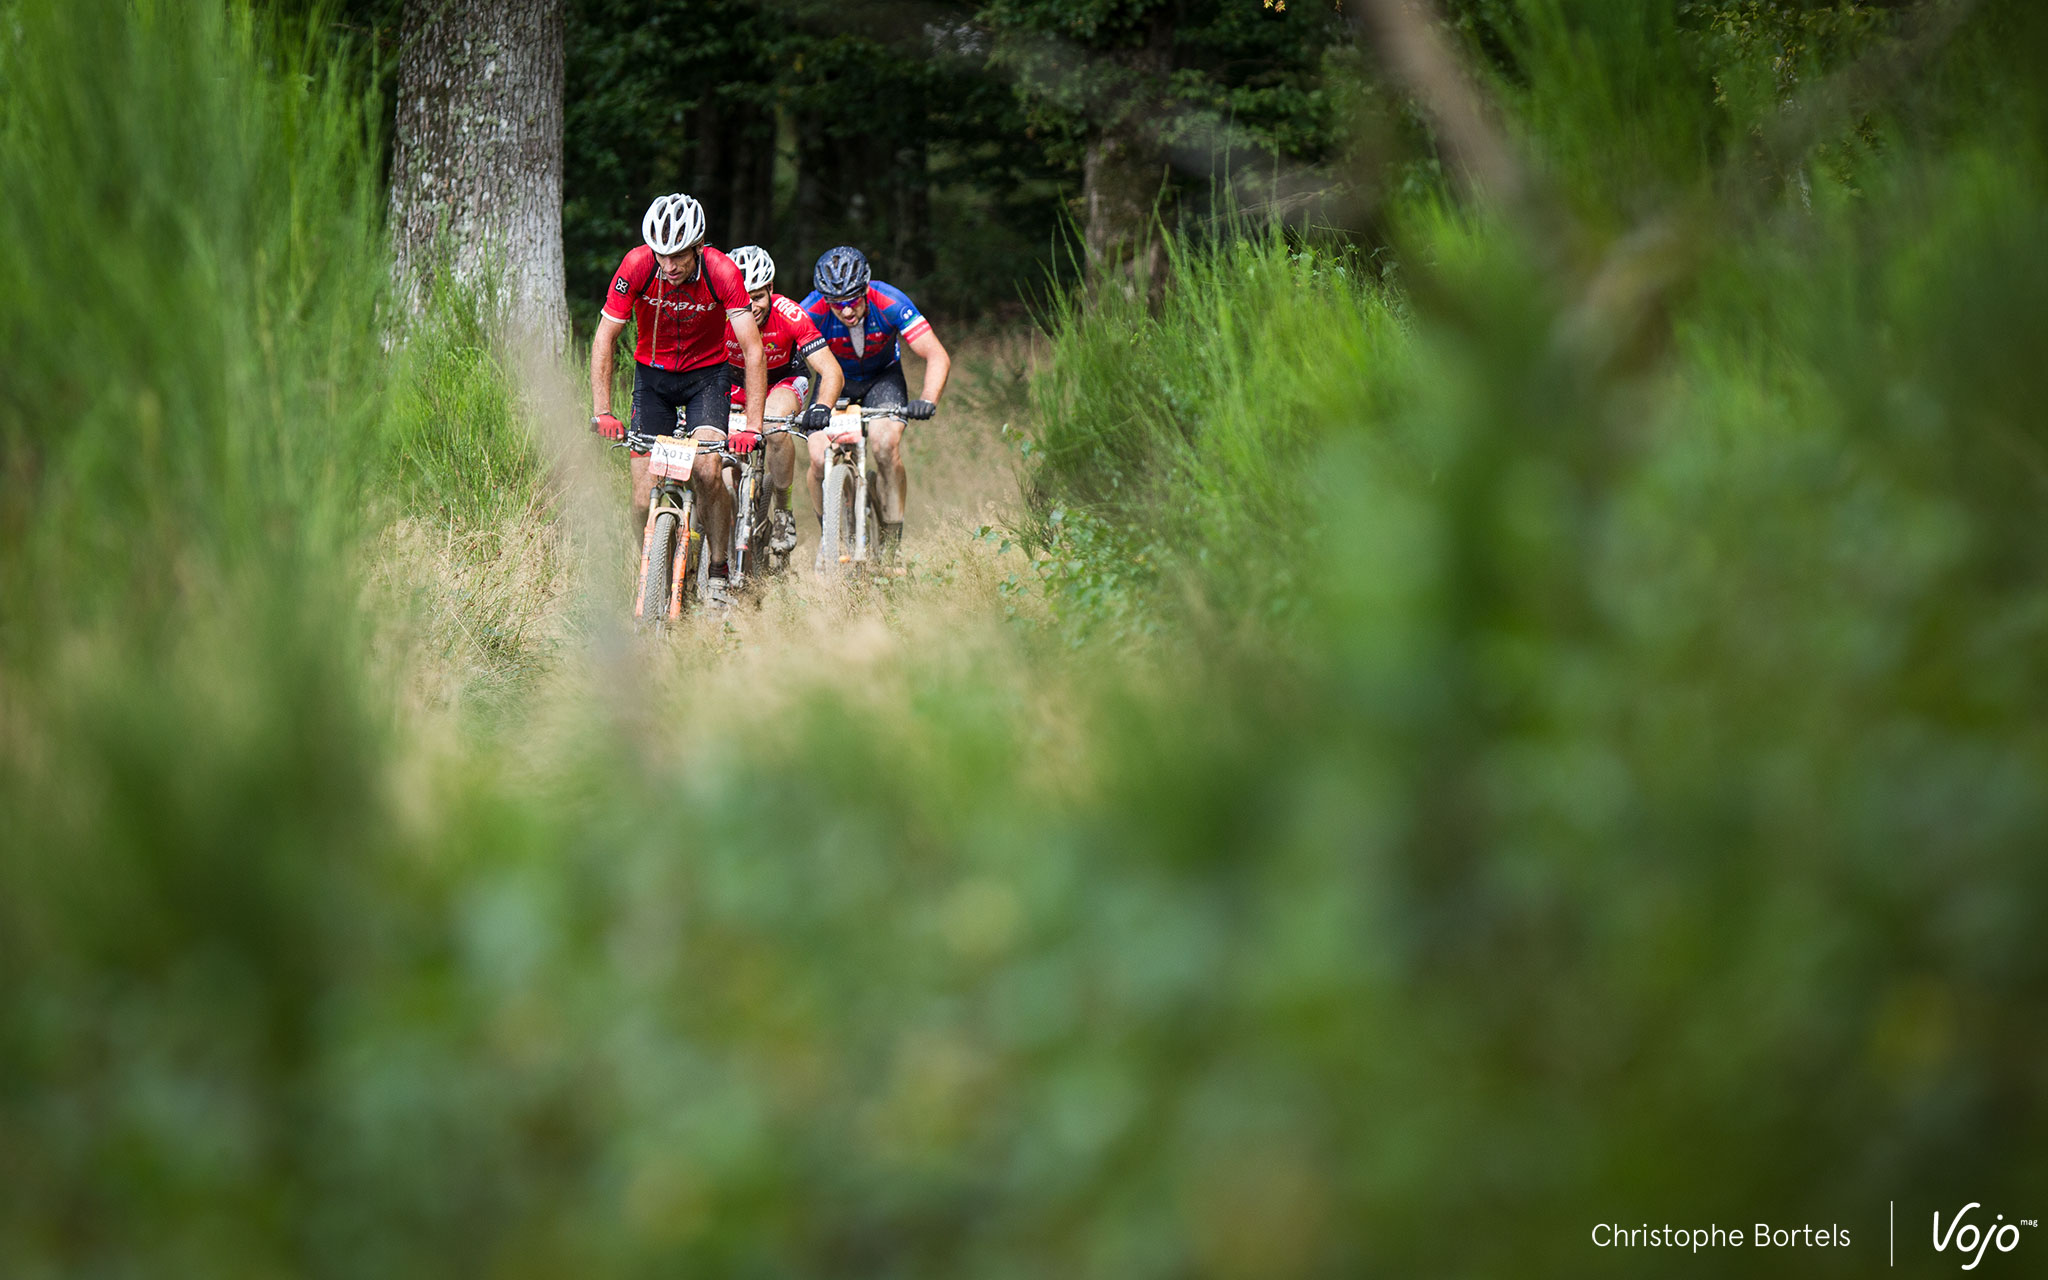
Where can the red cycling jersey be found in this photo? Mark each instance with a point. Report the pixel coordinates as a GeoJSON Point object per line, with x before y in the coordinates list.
{"type": "Point", "coordinates": [681, 326]}
{"type": "Point", "coordinates": [787, 337]}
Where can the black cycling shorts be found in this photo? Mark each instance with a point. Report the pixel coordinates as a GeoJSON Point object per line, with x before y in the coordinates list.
{"type": "Point", "coordinates": [883, 391]}
{"type": "Point", "coordinates": [703, 397]}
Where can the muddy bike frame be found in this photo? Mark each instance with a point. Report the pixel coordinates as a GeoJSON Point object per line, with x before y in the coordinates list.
{"type": "Point", "coordinates": [672, 557]}
{"type": "Point", "coordinates": [750, 507]}
{"type": "Point", "coordinates": [671, 532]}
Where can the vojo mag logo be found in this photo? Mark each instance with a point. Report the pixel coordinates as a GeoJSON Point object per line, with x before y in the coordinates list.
{"type": "Point", "coordinates": [1973, 1240]}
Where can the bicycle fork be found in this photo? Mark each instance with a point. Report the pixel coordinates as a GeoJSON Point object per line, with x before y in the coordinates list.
{"type": "Point", "coordinates": [860, 500]}
{"type": "Point", "coordinates": [742, 520]}
{"type": "Point", "coordinates": [678, 566]}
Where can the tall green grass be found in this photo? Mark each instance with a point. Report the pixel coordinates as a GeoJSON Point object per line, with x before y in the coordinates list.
{"type": "Point", "coordinates": [1181, 438]}
{"type": "Point", "coordinates": [1591, 771]}
{"type": "Point", "coordinates": [191, 271]}
{"type": "Point", "coordinates": [1662, 604]}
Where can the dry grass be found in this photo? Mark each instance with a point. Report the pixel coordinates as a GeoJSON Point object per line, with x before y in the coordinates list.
{"type": "Point", "coordinates": [476, 612]}
{"type": "Point", "coordinates": [531, 617]}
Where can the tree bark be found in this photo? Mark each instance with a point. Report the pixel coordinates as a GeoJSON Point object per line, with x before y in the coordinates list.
{"type": "Point", "coordinates": [913, 229]}
{"type": "Point", "coordinates": [476, 171]}
{"type": "Point", "coordinates": [1120, 185]}
{"type": "Point", "coordinates": [753, 190]}
{"type": "Point", "coordinates": [807, 213]}
{"type": "Point", "coordinates": [711, 183]}
{"type": "Point", "coordinates": [1124, 173]}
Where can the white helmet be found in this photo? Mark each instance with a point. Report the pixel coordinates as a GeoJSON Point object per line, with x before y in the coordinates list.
{"type": "Point", "coordinates": [756, 267]}
{"type": "Point", "coordinates": [673, 224]}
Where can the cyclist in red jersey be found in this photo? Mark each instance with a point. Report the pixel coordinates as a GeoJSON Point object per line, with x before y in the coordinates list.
{"type": "Point", "coordinates": [682, 295]}
{"type": "Point", "coordinates": [788, 336]}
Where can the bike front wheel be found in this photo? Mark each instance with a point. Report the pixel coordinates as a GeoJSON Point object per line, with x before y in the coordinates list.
{"type": "Point", "coordinates": [835, 547]}
{"type": "Point", "coordinates": [654, 574]}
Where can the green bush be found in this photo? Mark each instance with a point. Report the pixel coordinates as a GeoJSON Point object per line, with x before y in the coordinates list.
{"type": "Point", "coordinates": [1590, 770]}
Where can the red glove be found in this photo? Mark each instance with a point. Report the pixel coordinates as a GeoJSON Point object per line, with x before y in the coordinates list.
{"type": "Point", "coordinates": [608, 427]}
{"type": "Point", "coordinates": [743, 441]}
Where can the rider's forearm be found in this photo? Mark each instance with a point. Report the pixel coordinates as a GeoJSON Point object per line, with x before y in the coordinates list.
{"type": "Point", "coordinates": [757, 384]}
{"type": "Point", "coordinates": [600, 377]}
{"type": "Point", "coordinates": [936, 369]}
{"type": "Point", "coordinates": [831, 378]}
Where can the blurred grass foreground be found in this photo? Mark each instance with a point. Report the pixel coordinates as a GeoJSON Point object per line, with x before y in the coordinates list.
{"type": "Point", "coordinates": [1549, 733]}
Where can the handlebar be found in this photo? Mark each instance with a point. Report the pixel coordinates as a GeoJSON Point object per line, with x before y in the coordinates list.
{"type": "Point", "coordinates": [640, 442]}
{"type": "Point", "coordinates": [783, 424]}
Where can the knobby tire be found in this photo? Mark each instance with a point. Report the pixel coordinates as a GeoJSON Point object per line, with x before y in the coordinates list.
{"type": "Point", "coordinates": [654, 583]}
{"type": "Point", "coordinates": [838, 531]}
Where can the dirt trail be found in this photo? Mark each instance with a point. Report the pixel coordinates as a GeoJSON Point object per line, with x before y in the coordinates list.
{"type": "Point", "coordinates": [950, 608]}
{"type": "Point", "coordinates": [533, 619]}
{"type": "Point", "coordinates": [873, 641]}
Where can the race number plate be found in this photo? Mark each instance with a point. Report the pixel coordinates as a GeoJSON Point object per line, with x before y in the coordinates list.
{"type": "Point", "coordinates": [672, 459]}
{"type": "Point", "coordinates": [845, 428]}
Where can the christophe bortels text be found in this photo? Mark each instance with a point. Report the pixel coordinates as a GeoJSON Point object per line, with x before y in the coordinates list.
{"type": "Point", "coordinates": [1612, 1235]}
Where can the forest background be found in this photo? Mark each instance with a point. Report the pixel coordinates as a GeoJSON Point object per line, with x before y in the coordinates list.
{"type": "Point", "coordinates": [957, 142]}
{"type": "Point", "coordinates": [1506, 693]}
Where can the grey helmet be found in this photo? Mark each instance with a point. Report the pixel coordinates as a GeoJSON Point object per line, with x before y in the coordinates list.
{"type": "Point", "coordinates": [842, 273]}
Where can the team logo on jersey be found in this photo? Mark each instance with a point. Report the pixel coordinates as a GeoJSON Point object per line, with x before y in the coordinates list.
{"type": "Point", "coordinates": [619, 286]}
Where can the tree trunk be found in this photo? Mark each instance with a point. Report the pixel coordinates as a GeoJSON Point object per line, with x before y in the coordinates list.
{"type": "Point", "coordinates": [1121, 182]}
{"type": "Point", "coordinates": [808, 213]}
{"type": "Point", "coordinates": [476, 168]}
{"type": "Point", "coordinates": [913, 229]}
{"type": "Point", "coordinates": [753, 189]}
{"type": "Point", "coordinates": [711, 184]}
{"type": "Point", "coordinates": [1124, 172]}
{"type": "Point", "coordinates": [764, 189]}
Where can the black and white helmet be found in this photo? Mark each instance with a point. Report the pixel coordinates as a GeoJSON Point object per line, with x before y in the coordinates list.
{"type": "Point", "coordinates": [673, 223]}
{"type": "Point", "coordinates": [842, 273]}
{"type": "Point", "coordinates": [757, 269]}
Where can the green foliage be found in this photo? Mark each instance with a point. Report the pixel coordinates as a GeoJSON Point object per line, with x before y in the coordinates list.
{"type": "Point", "coordinates": [1187, 431]}
{"type": "Point", "coordinates": [1633, 814]}
{"type": "Point", "coordinates": [204, 389]}
{"type": "Point", "coordinates": [886, 132]}
{"type": "Point", "coordinates": [458, 448]}
{"type": "Point", "coordinates": [1688, 675]}
{"type": "Point", "coordinates": [1218, 85]}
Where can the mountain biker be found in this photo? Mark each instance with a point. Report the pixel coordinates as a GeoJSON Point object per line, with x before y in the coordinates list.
{"type": "Point", "coordinates": [682, 295]}
{"type": "Point", "coordinates": [791, 342]}
{"type": "Point", "coordinates": [861, 319]}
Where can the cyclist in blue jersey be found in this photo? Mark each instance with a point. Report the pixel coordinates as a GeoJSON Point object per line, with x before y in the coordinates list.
{"type": "Point", "coordinates": [861, 320]}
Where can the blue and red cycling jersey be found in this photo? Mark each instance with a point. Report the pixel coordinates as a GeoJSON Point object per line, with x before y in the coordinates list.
{"type": "Point", "coordinates": [891, 314]}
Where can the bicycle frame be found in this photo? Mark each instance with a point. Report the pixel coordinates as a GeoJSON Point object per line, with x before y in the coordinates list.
{"type": "Point", "coordinates": [751, 470]}
{"type": "Point", "coordinates": [850, 452]}
{"type": "Point", "coordinates": [671, 460]}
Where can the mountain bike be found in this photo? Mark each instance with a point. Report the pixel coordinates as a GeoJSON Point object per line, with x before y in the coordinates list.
{"type": "Point", "coordinates": [853, 493]}
{"type": "Point", "coordinates": [750, 523]}
{"type": "Point", "coordinates": [672, 532]}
